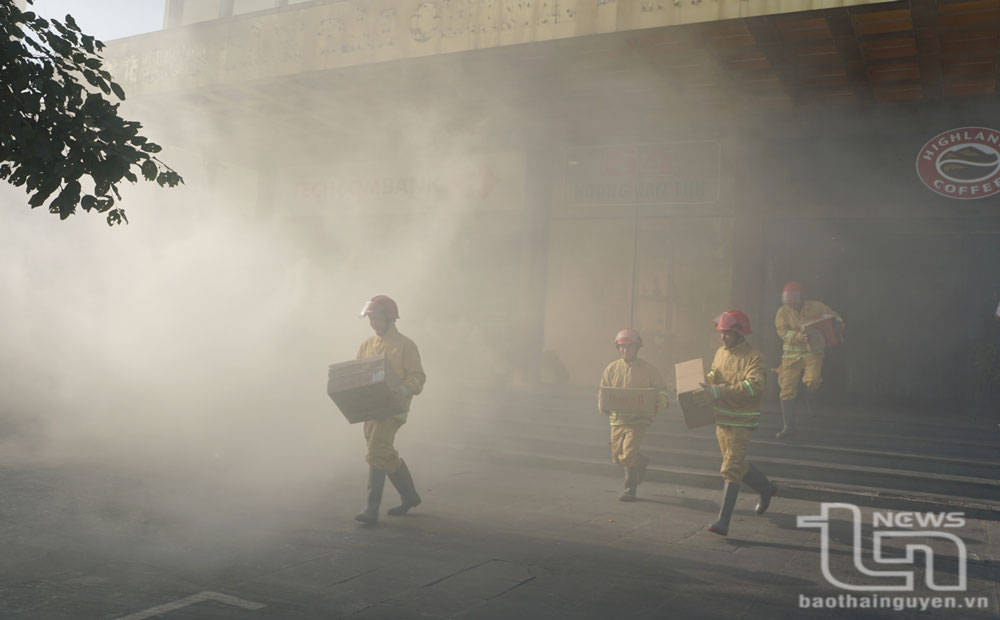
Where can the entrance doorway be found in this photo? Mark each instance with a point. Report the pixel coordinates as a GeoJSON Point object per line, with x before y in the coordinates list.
{"type": "Point", "coordinates": [915, 295]}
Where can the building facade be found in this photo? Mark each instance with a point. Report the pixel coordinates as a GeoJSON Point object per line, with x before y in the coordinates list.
{"type": "Point", "coordinates": [561, 169]}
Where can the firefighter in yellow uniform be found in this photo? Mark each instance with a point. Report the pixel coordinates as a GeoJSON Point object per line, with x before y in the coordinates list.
{"type": "Point", "coordinates": [382, 457]}
{"type": "Point", "coordinates": [734, 387]}
{"type": "Point", "coordinates": [628, 429]}
{"type": "Point", "coordinates": [801, 357]}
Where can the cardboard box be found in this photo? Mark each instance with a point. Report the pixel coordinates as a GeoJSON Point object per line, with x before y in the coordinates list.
{"type": "Point", "coordinates": [689, 376]}
{"type": "Point", "coordinates": [627, 400]}
{"type": "Point", "coordinates": [365, 389]}
{"type": "Point", "coordinates": [821, 332]}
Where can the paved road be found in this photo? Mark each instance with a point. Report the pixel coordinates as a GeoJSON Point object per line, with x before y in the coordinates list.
{"type": "Point", "coordinates": [493, 539]}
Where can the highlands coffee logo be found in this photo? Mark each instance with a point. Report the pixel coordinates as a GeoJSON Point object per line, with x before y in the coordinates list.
{"type": "Point", "coordinates": [963, 163]}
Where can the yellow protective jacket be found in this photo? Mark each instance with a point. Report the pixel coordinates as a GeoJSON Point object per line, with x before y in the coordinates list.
{"type": "Point", "coordinates": [788, 324]}
{"type": "Point", "coordinates": [638, 374]}
{"type": "Point", "coordinates": [737, 381]}
{"type": "Point", "coordinates": [403, 357]}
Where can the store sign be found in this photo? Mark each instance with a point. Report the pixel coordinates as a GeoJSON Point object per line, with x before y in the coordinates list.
{"type": "Point", "coordinates": [665, 173]}
{"type": "Point", "coordinates": [486, 182]}
{"type": "Point", "coordinates": [962, 163]}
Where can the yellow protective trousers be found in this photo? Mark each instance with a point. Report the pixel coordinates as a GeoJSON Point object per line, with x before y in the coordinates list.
{"type": "Point", "coordinates": [793, 371]}
{"type": "Point", "coordinates": [625, 440]}
{"type": "Point", "coordinates": [380, 435]}
{"type": "Point", "coordinates": [734, 443]}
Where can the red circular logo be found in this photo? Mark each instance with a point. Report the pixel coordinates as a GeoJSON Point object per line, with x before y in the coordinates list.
{"type": "Point", "coordinates": [963, 163]}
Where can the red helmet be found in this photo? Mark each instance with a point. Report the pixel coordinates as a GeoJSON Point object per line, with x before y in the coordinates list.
{"type": "Point", "coordinates": [381, 303]}
{"type": "Point", "coordinates": [628, 336]}
{"type": "Point", "coordinates": [733, 320]}
{"type": "Point", "coordinates": [791, 293]}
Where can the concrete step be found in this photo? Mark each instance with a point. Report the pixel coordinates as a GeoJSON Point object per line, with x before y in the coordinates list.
{"type": "Point", "coordinates": [861, 495]}
{"type": "Point", "coordinates": [850, 432]}
{"type": "Point", "coordinates": [889, 456]}
{"type": "Point", "coordinates": [843, 421]}
{"type": "Point", "coordinates": [899, 477]}
{"type": "Point", "coordinates": [765, 446]}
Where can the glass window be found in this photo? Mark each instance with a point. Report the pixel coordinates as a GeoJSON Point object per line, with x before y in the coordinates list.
{"type": "Point", "coordinates": [249, 6]}
{"type": "Point", "coordinates": [200, 11]}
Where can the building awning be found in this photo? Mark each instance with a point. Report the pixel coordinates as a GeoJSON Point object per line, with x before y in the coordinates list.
{"type": "Point", "coordinates": [907, 51]}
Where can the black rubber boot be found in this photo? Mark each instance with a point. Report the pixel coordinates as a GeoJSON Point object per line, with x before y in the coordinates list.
{"type": "Point", "coordinates": [757, 481]}
{"type": "Point", "coordinates": [403, 481]}
{"type": "Point", "coordinates": [729, 493]}
{"type": "Point", "coordinates": [812, 406]}
{"type": "Point", "coordinates": [376, 482]}
{"type": "Point", "coordinates": [640, 473]}
{"type": "Point", "coordinates": [788, 412]}
{"type": "Point", "coordinates": [631, 482]}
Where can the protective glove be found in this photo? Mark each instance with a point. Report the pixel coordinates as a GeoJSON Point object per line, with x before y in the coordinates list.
{"type": "Point", "coordinates": [662, 402]}
{"type": "Point", "coordinates": [403, 392]}
{"type": "Point", "coordinates": [715, 392]}
{"type": "Point", "coordinates": [701, 398]}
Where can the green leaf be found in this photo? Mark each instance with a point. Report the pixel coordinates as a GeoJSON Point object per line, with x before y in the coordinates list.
{"type": "Point", "coordinates": [65, 123]}
{"type": "Point", "coordinates": [149, 170]}
{"type": "Point", "coordinates": [70, 196]}
{"type": "Point", "coordinates": [89, 76]}
{"type": "Point", "coordinates": [39, 198]}
{"type": "Point", "coordinates": [116, 217]}
{"type": "Point", "coordinates": [19, 176]}
{"type": "Point", "coordinates": [169, 178]}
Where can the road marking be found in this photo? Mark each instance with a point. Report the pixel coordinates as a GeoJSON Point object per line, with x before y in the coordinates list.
{"type": "Point", "coordinates": [191, 600]}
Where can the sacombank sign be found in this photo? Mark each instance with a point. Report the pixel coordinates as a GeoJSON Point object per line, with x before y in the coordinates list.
{"type": "Point", "coordinates": [962, 163]}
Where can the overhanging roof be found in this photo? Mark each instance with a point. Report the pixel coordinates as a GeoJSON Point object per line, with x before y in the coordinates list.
{"type": "Point", "coordinates": [904, 51]}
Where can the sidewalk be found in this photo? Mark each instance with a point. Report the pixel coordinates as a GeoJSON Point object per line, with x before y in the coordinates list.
{"type": "Point", "coordinates": [492, 540]}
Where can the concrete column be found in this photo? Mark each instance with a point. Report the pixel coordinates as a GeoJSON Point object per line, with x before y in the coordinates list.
{"type": "Point", "coordinates": [534, 263]}
{"type": "Point", "coordinates": [173, 11]}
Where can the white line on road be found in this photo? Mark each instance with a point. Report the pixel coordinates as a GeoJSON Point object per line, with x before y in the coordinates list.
{"type": "Point", "coordinates": [191, 600]}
